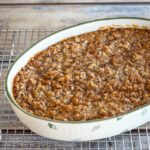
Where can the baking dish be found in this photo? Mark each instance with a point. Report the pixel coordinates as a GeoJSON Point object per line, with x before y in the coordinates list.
{"type": "Point", "coordinates": [77, 130]}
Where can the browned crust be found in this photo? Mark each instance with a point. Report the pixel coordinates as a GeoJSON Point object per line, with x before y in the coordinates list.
{"type": "Point", "coordinates": [95, 75]}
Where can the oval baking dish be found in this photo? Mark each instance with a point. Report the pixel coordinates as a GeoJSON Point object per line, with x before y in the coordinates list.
{"type": "Point", "coordinates": [76, 130]}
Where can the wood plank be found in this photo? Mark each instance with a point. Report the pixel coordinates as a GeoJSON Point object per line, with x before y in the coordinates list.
{"type": "Point", "coordinates": [54, 17]}
{"type": "Point", "coordinates": [68, 1]}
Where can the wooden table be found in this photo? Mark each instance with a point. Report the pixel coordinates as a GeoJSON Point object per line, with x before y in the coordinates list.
{"type": "Point", "coordinates": [23, 23]}
{"type": "Point", "coordinates": [56, 15]}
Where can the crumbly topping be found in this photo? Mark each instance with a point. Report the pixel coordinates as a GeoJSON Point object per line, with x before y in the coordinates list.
{"type": "Point", "coordinates": [94, 75]}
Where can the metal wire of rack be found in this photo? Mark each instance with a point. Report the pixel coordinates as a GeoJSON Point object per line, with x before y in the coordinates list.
{"type": "Point", "coordinates": [18, 137]}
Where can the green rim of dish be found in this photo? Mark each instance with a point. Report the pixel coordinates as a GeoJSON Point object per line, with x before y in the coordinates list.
{"type": "Point", "coordinates": [12, 100]}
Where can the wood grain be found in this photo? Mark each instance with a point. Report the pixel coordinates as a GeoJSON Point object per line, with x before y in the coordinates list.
{"type": "Point", "coordinates": [54, 17]}
{"type": "Point", "coordinates": [69, 1]}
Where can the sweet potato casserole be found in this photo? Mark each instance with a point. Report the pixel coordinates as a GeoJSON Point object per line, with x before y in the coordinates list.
{"type": "Point", "coordinates": [95, 75]}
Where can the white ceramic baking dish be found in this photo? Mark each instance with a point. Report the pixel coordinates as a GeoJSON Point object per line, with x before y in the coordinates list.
{"type": "Point", "coordinates": [76, 130]}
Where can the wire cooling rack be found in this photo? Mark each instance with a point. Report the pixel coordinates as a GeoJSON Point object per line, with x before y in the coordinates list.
{"type": "Point", "coordinates": [14, 135]}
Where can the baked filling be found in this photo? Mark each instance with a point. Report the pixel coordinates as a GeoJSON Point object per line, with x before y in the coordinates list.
{"type": "Point", "coordinates": [91, 76]}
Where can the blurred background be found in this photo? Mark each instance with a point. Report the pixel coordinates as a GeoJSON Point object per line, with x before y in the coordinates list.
{"type": "Point", "coordinates": [56, 14]}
